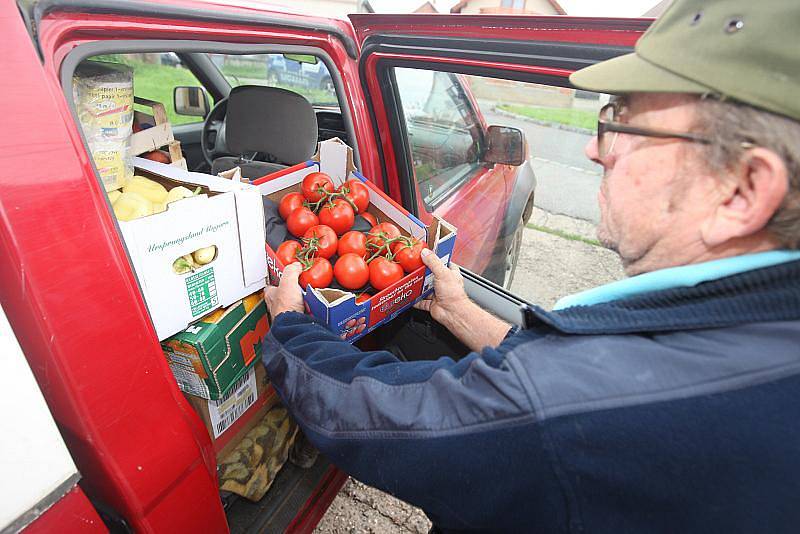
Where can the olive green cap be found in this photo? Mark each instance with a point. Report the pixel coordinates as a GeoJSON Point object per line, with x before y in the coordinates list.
{"type": "Point", "coordinates": [744, 50]}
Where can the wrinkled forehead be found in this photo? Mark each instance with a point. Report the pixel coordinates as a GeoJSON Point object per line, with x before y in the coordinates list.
{"type": "Point", "coordinates": [679, 105]}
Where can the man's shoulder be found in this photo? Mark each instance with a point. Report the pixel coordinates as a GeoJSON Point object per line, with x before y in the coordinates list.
{"type": "Point", "coordinates": [571, 374]}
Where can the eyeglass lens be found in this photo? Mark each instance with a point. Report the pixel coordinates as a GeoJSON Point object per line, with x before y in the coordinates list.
{"type": "Point", "coordinates": [605, 139]}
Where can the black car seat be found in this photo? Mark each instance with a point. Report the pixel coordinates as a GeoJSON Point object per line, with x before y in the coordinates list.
{"type": "Point", "coordinates": [269, 123]}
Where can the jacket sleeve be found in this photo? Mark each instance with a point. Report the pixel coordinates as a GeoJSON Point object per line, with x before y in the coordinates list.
{"type": "Point", "coordinates": [388, 422]}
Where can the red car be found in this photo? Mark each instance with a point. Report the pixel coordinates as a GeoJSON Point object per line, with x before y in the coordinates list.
{"type": "Point", "coordinates": [70, 293]}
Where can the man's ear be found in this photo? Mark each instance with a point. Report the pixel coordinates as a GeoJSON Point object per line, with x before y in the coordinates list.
{"type": "Point", "coordinates": [758, 184]}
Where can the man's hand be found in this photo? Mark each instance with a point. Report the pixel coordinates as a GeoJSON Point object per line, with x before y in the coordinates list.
{"type": "Point", "coordinates": [287, 296]}
{"type": "Point", "coordinates": [451, 307]}
{"type": "Point", "coordinates": [449, 297]}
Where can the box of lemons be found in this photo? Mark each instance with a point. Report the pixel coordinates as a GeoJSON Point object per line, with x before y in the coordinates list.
{"type": "Point", "coordinates": [196, 241]}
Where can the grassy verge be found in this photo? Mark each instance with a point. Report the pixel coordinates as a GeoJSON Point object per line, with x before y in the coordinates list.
{"type": "Point", "coordinates": [571, 117]}
{"type": "Point", "coordinates": [564, 235]}
{"type": "Point", "coordinates": [245, 71]}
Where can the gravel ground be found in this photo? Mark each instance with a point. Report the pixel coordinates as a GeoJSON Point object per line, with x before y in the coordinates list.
{"type": "Point", "coordinates": [549, 268]}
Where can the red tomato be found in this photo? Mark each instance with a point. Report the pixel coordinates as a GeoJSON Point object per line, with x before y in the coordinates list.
{"type": "Point", "coordinates": [339, 215]}
{"type": "Point", "coordinates": [319, 274]}
{"type": "Point", "coordinates": [362, 297]}
{"type": "Point", "coordinates": [316, 185]}
{"type": "Point", "coordinates": [300, 220]}
{"type": "Point", "coordinates": [287, 252]}
{"type": "Point", "coordinates": [353, 241]}
{"type": "Point", "coordinates": [157, 155]}
{"type": "Point", "coordinates": [379, 231]}
{"type": "Point", "coordinates": [383, 273]}
{"type": "Point", "coordinates": [358, 193]}
{"type": "Point", "coordinates": [408, 256]}
{"type": "Point", "coordinates": [370, 218]}
{"type": "Point", "coordinates": [351, 271]}
{"type": "Point", "coordinates": [289, 203]}
{"type": "Point", "coordinates": [327, 241]}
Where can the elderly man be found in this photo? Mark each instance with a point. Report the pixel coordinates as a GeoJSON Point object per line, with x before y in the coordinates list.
{"type": "Point", "coordinates": [666, 402]}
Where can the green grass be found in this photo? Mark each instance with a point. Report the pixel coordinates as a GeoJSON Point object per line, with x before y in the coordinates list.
{"type": "Point", "coordinates": [564, 235]}
{"type": "Point", "coordinates": [156, 82]}
{"type": "Point", "coordinates": [571, 117]}
{"type": "Point", "coordinates": [258, 72]}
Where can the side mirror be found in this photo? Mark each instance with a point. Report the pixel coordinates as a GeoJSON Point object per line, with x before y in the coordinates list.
{"type": "Point", "coordinates": [505, 145]}
{"type": "Point", "coordinates": [192, 101]}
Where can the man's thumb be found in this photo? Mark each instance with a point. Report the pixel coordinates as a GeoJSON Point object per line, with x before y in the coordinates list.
{"type": "Point", "coordinates": [291, 274]}
{"type": "Point", "coordinates": [433, 262]}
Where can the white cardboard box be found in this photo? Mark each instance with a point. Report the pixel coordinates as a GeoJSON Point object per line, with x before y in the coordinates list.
{"type": "Point", "coordinates": [229, 215]}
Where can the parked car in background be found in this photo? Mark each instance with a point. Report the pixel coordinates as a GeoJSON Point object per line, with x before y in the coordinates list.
{"type": "Point", "coordinates": [298, 70]}
{"type": "Point", "coordinates": [402, 93]}
{"type": "Point", "coordinates": [170, 59]}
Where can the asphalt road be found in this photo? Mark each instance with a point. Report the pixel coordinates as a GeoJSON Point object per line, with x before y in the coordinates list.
{"type": "Point", "coordinates": [567, 182]}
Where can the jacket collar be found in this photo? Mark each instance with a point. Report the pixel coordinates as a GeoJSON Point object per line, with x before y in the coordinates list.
{"type": "Point", "coordinates": [760, 295]}
{"type": "Point", "coordinates": [682, 276]}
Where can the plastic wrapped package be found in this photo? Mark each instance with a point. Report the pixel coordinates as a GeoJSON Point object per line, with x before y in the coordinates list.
{"type": "Point", "coordinates": [103, 95]}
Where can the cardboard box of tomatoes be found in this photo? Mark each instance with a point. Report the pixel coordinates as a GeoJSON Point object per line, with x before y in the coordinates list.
{"type": "Point", "coordinates": [359, 249]}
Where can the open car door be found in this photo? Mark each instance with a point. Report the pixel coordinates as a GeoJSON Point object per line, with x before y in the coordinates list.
{"type": "Point", "coordinates": [470, 115]}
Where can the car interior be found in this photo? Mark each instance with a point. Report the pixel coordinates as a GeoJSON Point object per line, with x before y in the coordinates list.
{"type": "Point", "coordinates": [264, 129]}
{"type": "Point", "coordinates": [268, 128]}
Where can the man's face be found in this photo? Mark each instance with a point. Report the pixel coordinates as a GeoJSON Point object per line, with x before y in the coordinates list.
{"type": "Point", "coordinates": [649, 194]}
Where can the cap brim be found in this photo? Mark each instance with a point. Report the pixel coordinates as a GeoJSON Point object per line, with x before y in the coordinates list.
{"type": "Point", "coordinates": [632, 74]}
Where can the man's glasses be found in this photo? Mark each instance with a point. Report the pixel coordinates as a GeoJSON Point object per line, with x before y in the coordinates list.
{"type": "Point", "coordinates": [608, 127]}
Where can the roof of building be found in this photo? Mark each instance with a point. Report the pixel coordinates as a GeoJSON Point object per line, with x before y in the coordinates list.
{"type": "Point", "coordinates": [459, 6]}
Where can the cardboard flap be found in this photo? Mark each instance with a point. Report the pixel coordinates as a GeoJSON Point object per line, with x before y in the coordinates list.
{"type": "Point", "coordinates": [441, 231]}
{"type": "Point", "coordinates": [334, 296]}
{"type": "Point", "coordinates": [213, 183]}
{"type": "Point", "coordinates": [249, 207]}
{"type": "Point", "coordinates": [234, 174]}
{"type": "Point", "coordinates": [335, 159]}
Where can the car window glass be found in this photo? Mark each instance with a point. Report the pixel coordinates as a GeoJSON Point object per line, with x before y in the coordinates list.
{"type": "Point", "coordinates": [444, 131]}
{"type": "Point", "coordinates": [306, 75]}
{"type": "Point", "coordinates": [155, 76]}
{"type": "Point", "coordinates": [447, 118]}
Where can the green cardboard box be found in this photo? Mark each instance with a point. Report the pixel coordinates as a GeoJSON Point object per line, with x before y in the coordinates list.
{"type": "Point", "coordinates": [209, 356]}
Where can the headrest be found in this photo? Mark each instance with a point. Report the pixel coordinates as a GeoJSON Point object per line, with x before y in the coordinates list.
{"type": "Point", "coordinates": [270, 120]}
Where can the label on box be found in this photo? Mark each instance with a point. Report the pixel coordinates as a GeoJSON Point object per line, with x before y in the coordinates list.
{"type": "Point", "coordinates": [187, 378]}
{"type": "Point", "coordinates": [225, 411]}
{"type": "Point", "coordinates": [202, 291]}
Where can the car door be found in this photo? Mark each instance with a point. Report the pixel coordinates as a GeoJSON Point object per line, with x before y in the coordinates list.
{"type": "Point", "coordinates": [437, 83]}
{"type": "Point", "coordinates": [69, 290]}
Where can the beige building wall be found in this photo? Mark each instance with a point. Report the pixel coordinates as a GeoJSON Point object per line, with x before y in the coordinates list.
{"type": "Point", "coordinates": [542, 7]}
{"type": "Point", "coordinates": [322, 8]}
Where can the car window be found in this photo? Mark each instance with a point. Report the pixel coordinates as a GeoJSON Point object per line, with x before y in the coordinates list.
{"type": "Point", "coordinates": [447, 120]}
{"type": "Point", "coordinates": [155, 76]}
{"type": "Point", "coordinates": [303, 74]}
{"type": "Point", "coordinates": [444, 132]}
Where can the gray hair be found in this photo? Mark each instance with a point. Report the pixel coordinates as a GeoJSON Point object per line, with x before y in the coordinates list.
{"type": "Point", "coordinates": [728, 124]}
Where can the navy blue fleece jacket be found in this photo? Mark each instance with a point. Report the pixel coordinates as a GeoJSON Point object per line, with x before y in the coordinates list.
{"type": "Point", "coordinates": [671, 411]}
